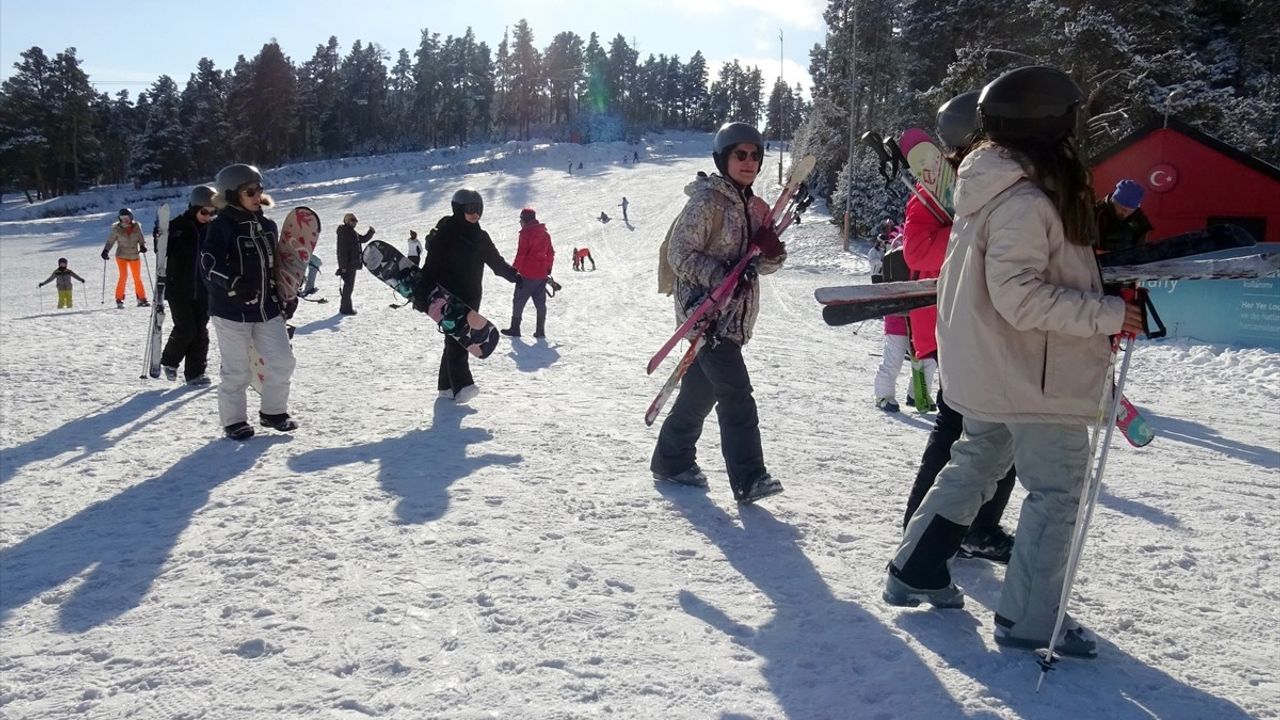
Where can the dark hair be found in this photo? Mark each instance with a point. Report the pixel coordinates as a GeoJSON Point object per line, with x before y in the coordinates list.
{"type": "Point", "coordinates": [1057, 169]}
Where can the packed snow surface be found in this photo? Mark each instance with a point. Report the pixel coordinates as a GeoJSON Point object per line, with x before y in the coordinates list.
{"type": "Point", "coordinates": [401, 556]}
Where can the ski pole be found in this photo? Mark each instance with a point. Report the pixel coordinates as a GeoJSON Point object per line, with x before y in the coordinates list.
{"type": "Point", "coordinates": [1089, 498]}
{"type": "Point", "coordinates": [147, 264]}
{"type": "Point", "coordinates": [40, 296]}
{"type": "Point", "coordinates": [104, 282]}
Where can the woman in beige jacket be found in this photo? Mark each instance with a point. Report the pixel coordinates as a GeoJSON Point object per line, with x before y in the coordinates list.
{"type": "Point", "coordinates": [126, 235]}
{"type": "Point", "coordinates": [1023, 328]}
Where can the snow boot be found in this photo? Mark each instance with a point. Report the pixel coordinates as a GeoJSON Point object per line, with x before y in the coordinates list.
{"type": "Point", "coordinates": [900, 594]}
{"type": "Point", "coordinates": [142, 302]}
{"type": "Point", "coordinates": [239, 431]}
{"type": "Point", "coordinates": [987, 543]}
{"type": "Point", "coordinates": [466, 394]}
{"type": "Point", "coordinates": [1075, 641]}
{"type": "Point", "coordinates": [170, 373]}
{"type": "Point", "coordinates": [693, 477]}
{"type": "Point", "coordinates": [513, 331]}
{"type": "Point", "coordinates": [887, 404]}
{"type": "Point", "coordinates": [119, 304]}
{"type": "Point", "coordinates": [279, 421]}
{"type": "Point", "coordinates": [200, 380]}
{"type": "Point", "coordinates": [764, 486]}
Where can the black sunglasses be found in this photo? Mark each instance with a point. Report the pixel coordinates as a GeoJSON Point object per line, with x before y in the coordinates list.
{"type": "Point", "coordinates": [207, 212]}
{"type": "Point", "coordinates": [472, 209]}
{"type": "Point", "coordinates": [252, 192]}
{"type": "Point", "coordinates": [743, 155]}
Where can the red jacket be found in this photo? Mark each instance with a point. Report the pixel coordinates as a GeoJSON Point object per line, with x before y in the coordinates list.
{"type": "Point", "coordinates": [924, 247]}
{"type": "Point", "coordinates": [534, 254]}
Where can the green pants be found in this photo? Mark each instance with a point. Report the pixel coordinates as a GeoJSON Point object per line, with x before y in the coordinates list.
{"type": "Point", "coordinates": [64, 298]}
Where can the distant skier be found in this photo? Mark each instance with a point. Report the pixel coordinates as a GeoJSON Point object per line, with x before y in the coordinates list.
{"type": "Point", "coordinates": [349, 259]}
{"type": "Point", "coordinates": [127, 236]}
{"type": "Point", "coordinates": [235, 262]}
{"type": "Point", "coordinates": [604, 217]}
{"type": "Point", "coordinates": [580, 258]}
{"type": "Point", "coordinates": [1121, 223]}
{"type": "Point", "coordinates": [1023, 326]}
{"type": "Point", "coordinates": [185, 292]}
{"type": "Point", "coordinates": [534, 259]}
{"type": "Point", "coordinates": [718, 378]}
{"type": "Point", "coordinates": [635, 156]}
{"type": "Point", "coordinates": [457, 252]}
{"type": "Point", "coordinates": [624, 205]}
{"type": "Point", "coordinates": [413, 251]}
{"type": "Point", "coordinates": [61, 277]}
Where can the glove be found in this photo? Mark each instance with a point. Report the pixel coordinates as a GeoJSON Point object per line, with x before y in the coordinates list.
{"type": "Point", "coordinates": [240, 291]}
{"type": "Point", "coordinates": [767, 240]}
{"type": "Point", "coordinates": [106, 255]}
{"type": "Point", "coordinates": [142, 248]}
{"type": "Point", "coordinates": [519, 280]}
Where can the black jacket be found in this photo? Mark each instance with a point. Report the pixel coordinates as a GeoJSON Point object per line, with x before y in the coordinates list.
{"type": "Point", "coordinates": [349, 251]}
{"type": "Point", "coordinates": [1116, 233]}
{"type": "Point", "coordinates": [236, 266]}
{"type": "Point", "coordinates": [182, 257]}
{"type": "Point", "coordinates": [457, 252]}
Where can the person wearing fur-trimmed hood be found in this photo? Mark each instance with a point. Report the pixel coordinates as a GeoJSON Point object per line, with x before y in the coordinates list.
{"type": "Point", "coordinates": [236, 265]}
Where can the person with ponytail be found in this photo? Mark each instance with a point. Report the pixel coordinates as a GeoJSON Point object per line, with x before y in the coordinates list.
{"type": "Point", "coordinates": [1023, 341]}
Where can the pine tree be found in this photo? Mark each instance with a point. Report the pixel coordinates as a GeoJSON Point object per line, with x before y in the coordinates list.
{"type": "Point", "coordinates": [203, 115]}
{"type": "Point", "coordinates": [162, 150]}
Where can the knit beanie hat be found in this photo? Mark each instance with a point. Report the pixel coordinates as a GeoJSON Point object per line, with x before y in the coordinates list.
{"type": "Point", "coordinates": [1128, 194]}
{"type": "Point", "coordinates": [529, 215]}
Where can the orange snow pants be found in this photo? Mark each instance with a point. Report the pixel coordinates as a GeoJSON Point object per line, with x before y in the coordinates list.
{"type": "Point", "coordinates": [130, 266]}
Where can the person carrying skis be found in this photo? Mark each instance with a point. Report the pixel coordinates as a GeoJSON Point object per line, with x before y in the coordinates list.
{"type": "Point", "coordinates": [236, 263]}
{"type": "Point", "coordinates": [534, 258]}
{"type": "Point", "coordinates": [925, 238]}
{"type": "Point", "coordinates": [1121, 223]}
{"type": "Point", "coordinates": [457, 252]}
{"type": "Point", "coordinates": [130, 243]}
{"type": "Point", "coordinates": [413, 249]}
{"type": "Point", "coordinates": [185, 292]}
{"type": "Point", "coordinates": [700, 257]}
{"type": "Point", "coordinates": [61, 277]}
{"type": "Point", "coordinates": [1022, 335]}
{"type": "Point", "coordinates": [349, 258]}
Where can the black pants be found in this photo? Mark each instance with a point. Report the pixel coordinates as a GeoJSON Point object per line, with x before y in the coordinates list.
{"type": "Point", "coordinates": [189, 340]}
{"type": "Point", "coordinates": [718, 378]}
{"type": "Point", "coordinates": [535, 290]}
{"type": "Point", "coordinates": [937, 453]}
{"type": "Point", "coordinates": [348, 284]}
{"type": "Point", "coordinates": [455, 367]}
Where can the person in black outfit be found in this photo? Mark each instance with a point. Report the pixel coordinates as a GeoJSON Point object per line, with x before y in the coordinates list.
{"type": "Point", "coordinates": [457, 251]}
{"type": "Point", "coordinates": [185, 292]}
{"type": "Point", "coordinates": [349, 258]}
{"type": "Point", "coordinates": [1121, 223]}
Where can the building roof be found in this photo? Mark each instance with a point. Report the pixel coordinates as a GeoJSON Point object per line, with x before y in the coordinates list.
{"type": "Point", "coordinates": [1209, 141]}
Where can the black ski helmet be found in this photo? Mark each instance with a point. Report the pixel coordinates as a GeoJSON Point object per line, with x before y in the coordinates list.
{"type": "Point", "coordinates": [467, 198]}
{"type": "Point", "coordinates": [233, 177]}
{"type": "Point", "coordinates": [201, 196]}
{"type": "Point", "coordinates": [729, 136]}
{"type": "Point", "coordinates": [62, 261]}
{"type": "Point", "coordinates": [125, 211]}
{"type": "Point", "coordinates": [958, 120]}
{"type": "Point", "coordinates": [1037, 103]}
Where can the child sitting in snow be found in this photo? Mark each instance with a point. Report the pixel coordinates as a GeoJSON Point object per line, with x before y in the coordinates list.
{"type": "Point", "coordinates": [63, 276]}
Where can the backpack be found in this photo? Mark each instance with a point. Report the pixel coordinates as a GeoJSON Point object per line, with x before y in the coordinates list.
{"type": "Point", "coordinates": [666, 273]}
{"type": "Point", "coordinates": [894, 267]}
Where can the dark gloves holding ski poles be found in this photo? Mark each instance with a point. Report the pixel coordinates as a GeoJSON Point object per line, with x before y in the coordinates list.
{"type": "Point", "coordinates": [106, 255]}
{"type": "Point", "coordinates": [767, 240]}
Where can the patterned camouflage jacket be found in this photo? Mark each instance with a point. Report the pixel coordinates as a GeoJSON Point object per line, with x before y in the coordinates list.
{"type": "Point", "coordinates": [702, 259]}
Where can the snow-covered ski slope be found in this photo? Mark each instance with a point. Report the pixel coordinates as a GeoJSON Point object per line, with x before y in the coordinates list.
{"type": "Point", "coordinates": [402, 557]}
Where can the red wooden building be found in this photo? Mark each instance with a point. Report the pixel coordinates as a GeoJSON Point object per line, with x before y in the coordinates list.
{"type": "Point", "coordinates": [1193, 180]}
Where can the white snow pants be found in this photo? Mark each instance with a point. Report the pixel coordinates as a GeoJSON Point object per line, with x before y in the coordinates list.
{"type": "Point", "coordinates": [272, 342]}
{"type": "Point", "coordinates": [895, 352]}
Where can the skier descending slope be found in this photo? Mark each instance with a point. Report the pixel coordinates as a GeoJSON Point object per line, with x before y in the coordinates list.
{"type": "Point", "coordinates": [700, 259]}
{"type": "Point", "coordinates": [1022, 336]}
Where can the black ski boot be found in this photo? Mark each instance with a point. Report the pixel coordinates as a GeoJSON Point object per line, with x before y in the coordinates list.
{"type": "Point", "coordinates": [239, 431]}
{"type": "Point", "coordinates": [281, 422]}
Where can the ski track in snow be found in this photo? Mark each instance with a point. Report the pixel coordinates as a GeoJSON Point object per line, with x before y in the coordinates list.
{"type": "Point", "coordinates": [403, 557]}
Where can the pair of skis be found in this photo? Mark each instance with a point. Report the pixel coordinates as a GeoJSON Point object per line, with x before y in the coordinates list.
{"type": "Point", "coordinates": [793, 200]}
{"type": "Point", "coordinates": [155, 326]}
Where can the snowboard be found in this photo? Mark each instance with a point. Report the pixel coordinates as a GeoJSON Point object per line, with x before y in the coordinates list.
{"type": "Point", "coordinates": [298, 237]}
{"type": "Point", "coordinates": [929, 167]}
{"type": "Point", "coordinates": [1196, 242]}
{"type": "Point", "coordinates": [452, 316]}
{"type": "Point", "coordinates": [155, 337]}
{"type": "Point", "coordinates": [855, 303]}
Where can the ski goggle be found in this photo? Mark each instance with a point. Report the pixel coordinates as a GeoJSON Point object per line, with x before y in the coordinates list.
{"type": "Point", "coordinates": [252, 192]}
{"type": "Point", "coordinates": [744, 155]}
{"type": "Point", "coordinates": [207, 212]}
{"type": "Point", "coordinates": [473, 209]}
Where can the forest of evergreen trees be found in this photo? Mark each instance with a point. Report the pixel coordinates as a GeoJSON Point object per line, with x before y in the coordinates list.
{"type": "Point", "coordinates": [57, 134]}
{"type": "Point", "coordinates": [1213, 63]}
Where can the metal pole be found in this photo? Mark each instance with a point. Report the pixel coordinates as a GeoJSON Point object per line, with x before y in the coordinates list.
{"type": "Point", "coordinates": [782, 113]}
{"type": "Point", "coordinates": [853, 94]}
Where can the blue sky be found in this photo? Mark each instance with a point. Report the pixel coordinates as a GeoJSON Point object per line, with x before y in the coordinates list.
{"type": "Point", "coordinates": [127, 45]}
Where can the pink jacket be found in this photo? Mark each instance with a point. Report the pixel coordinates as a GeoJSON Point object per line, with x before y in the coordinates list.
{"type": "Point", "coordinates": [534, 254]}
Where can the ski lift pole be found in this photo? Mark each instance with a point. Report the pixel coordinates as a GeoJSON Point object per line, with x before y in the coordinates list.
{"type": "Point", "coordinates": [1089, 497]}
